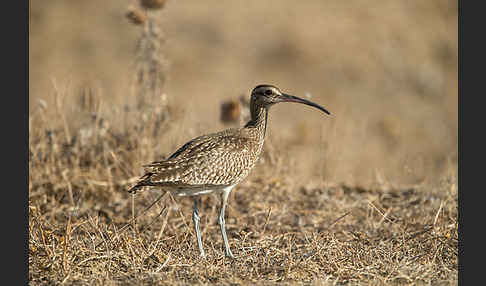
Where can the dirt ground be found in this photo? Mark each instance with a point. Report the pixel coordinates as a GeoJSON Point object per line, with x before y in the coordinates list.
{"type": "Point", "coordinates": [365, 196]}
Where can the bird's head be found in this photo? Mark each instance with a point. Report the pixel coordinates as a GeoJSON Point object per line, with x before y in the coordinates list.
{"type": "Point", "coordinates": [267, 95]}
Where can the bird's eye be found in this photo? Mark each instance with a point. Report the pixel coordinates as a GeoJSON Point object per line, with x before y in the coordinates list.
{"type": "Point", "coordinates": [268, 92]}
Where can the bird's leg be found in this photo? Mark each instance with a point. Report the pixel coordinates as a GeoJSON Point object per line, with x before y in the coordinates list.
{"type": "Point", "coordinates": [224, 199]}
{"type": "Point", "coordinates": [195, 220]}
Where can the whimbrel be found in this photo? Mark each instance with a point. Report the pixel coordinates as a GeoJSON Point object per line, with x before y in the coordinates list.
{"type": "Point", "coordinates": [217, 162]}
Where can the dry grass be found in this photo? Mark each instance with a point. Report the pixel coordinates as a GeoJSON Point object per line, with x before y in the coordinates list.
{"type": "Point", "coordinates": [281, 228]}
{"type": "Point", "coordinates": [368, 196]}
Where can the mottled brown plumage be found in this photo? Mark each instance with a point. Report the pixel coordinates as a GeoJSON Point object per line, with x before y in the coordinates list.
{"type": "Point", "coordinates": [219, 161]}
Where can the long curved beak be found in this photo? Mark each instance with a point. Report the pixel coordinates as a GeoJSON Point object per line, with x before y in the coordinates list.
{"type": "Point", "coordinates": [290, 98]}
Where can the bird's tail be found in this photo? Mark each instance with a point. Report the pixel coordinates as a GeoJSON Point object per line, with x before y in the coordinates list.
{"type": "Point", "coordinates": [133, 190]}
{"type": "Point", "coordinates": [142, 182]}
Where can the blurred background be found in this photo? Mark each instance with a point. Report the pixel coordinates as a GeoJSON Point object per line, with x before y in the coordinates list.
{"type": "Point", "coordinates": [386, 70]}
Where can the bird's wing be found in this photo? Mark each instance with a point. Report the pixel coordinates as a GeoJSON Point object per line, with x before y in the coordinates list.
{"type": "Point", "coordinates": [193, 146]}
{"type": "Point", "coordinates": [201, 161]}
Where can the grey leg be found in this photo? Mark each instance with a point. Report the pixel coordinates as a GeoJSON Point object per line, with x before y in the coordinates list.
{"type": "Point", "coordinates": [195, 220]}
{"type": "Point", "coordinates": [224, 199]}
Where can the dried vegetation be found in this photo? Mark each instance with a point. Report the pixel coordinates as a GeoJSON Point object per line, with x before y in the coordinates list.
{"type": "Point", "coordinates": [283, 230]}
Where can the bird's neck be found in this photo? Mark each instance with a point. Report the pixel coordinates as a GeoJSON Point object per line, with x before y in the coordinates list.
{"type": "Point", "coordinates": [258, 121]}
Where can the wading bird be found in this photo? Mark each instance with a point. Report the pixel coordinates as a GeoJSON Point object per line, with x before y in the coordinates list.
{"type": "Point", "coordinates": [217, 162]}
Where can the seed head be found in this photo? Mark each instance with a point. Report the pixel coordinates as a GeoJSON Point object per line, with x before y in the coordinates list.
{"type": "Point", "coordinates": [153, 4]}
{"type": "Point", "coordinates": [135, 16]}
{"type": "Point", "coordinates": [230, 111]}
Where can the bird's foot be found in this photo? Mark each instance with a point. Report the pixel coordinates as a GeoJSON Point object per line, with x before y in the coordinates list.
{"type": "Point", "coordinates": [228, 254]}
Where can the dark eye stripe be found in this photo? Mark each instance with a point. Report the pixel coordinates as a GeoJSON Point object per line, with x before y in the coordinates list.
{"type": "Point", "coordinates": [268, 92]}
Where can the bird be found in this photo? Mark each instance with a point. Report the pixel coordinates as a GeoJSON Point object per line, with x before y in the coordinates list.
{"type": "Point", "coordinates": [217, 162]}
